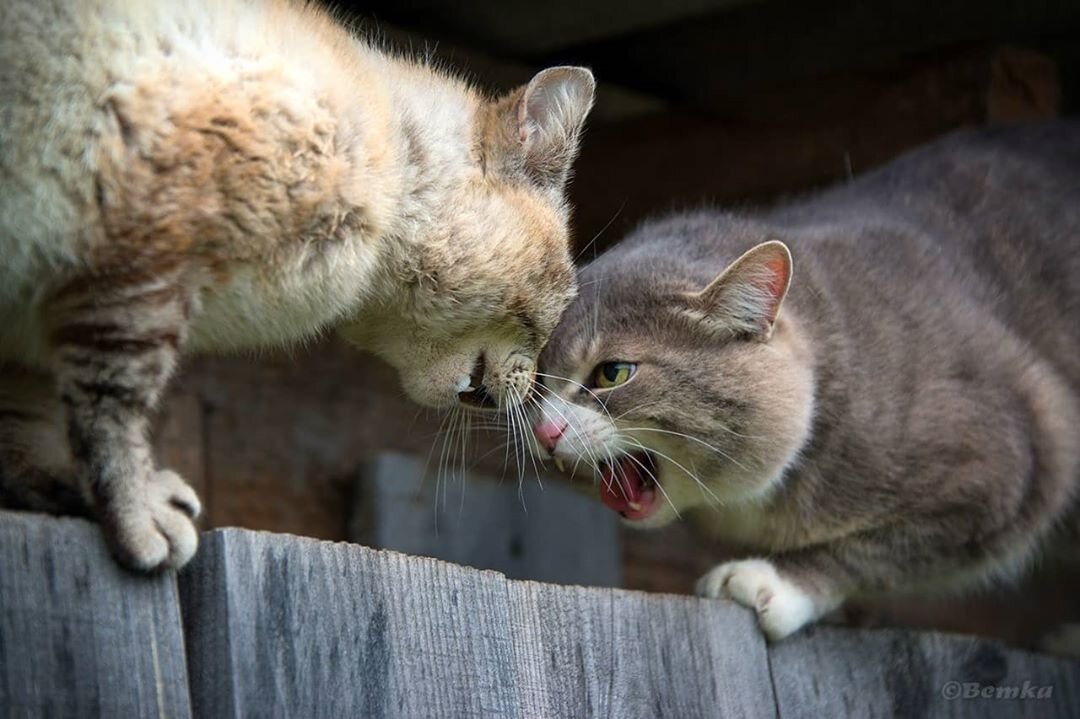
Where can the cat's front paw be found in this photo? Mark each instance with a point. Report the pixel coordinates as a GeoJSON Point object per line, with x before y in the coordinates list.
{"type": "Point", "coordinates": [781, 606]}
{"type": "Point", "coordinates": [152, 527]}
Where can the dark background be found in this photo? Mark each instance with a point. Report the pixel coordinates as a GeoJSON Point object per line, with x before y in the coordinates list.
{"type": "Point", "coordinates": [720, 101]}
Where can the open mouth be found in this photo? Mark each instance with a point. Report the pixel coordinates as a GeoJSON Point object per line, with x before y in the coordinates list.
{"type": "Point", "coordinates": [628, 485]}
{"type": "Point", "coordinates": [475, 395]}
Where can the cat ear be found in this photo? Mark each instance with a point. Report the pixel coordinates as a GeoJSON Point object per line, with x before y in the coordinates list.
{"type": "Point", "coordinates": [544, 121]}
{"type": "Point", "coordinates": [746, 297]}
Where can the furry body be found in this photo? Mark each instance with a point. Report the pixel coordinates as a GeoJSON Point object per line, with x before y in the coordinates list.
{"type": "Point", "coordinates": [208, 176]}
{"type": "Point", "coordinates": [907, 422]}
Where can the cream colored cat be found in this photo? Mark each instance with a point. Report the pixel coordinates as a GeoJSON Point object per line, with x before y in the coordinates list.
{"type": "Point", "coordinates": [217, 174]}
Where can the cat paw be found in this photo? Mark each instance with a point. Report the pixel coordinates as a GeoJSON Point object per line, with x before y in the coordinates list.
{"type": "Point", "coordinates": [782, 607]}
{"type": "Point", "coordinates": [153, 528]}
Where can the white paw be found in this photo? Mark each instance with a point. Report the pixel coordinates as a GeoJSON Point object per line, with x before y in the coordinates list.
{"type": "Point", "coordinates": [782, 607]}
{"type": "Point", "coordinates": [153, 528]}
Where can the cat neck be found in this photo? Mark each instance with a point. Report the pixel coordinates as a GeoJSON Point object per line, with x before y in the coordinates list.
{"type": "Point", "coordinates": [427, 139]}
{"type": "Point", "coordinates": [411, 159]}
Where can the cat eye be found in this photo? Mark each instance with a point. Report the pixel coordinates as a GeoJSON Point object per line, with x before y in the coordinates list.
{"type": "Point", "coordinates": [612, 374]}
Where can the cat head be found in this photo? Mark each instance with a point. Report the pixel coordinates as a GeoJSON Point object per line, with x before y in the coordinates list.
{"type": "Point", "coordinates": [491, 271]}
{"type": "Point", "coordinates": [676, 378]}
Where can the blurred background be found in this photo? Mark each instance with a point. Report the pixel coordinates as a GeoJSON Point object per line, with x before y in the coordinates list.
{"type": "Point", "coordinates": [729, 102]}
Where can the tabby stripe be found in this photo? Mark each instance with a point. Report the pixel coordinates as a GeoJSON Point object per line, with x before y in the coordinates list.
{"type": "Point", "coordinates": [99, 391]}
{"type": "Point", "coordinates": [83, 333]}
{"type": "Point", "coordinates": [151, 297]}
{"type": "Point", "coordinates": [103, 288]}
{"type": "Point", "coordinates": [109, 338]}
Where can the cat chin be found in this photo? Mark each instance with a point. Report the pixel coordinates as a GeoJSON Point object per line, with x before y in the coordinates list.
{"type": "Point", "coordinates": [663, 516]}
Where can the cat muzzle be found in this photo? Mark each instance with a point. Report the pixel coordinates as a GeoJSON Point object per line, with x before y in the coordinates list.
{"type": "Point", "coordinates": [478, 397]}
{"type": "Point", "coordinates": [476, 394]}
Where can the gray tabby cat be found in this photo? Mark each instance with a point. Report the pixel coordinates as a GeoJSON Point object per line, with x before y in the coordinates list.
{"type": "Point", "coordinates": [905, 416]}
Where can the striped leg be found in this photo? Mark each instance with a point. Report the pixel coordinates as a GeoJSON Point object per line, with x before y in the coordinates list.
{"type": "Point", "coordinates": [115, 345]}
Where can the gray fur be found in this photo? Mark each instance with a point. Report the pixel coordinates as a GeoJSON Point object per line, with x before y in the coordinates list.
{"type": "Point", "coordinates": [931, 333]}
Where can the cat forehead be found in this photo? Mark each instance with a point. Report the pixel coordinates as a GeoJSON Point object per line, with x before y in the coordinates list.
{"type": "Point", "coordinates": [502, 255]}
{"type": "Point", "coordinates": [623, 306]}
{"type": "Point", "coordinates": [596, 329]}
{"type": "Point", "coordinates": [533, 241]}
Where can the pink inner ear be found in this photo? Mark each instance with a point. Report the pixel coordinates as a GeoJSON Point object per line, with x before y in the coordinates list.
{"type": "Point", "coordinates": [778, 279]}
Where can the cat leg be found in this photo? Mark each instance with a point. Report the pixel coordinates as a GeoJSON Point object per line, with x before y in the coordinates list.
{"type": "Point", "coordinates": [783, 605]}
{"type": "Point", "coordinates": [36, 472]}
{"type": "Point", "coordinates": [115, 344]}
{"type": "Point", "coordinates": [792, 589]}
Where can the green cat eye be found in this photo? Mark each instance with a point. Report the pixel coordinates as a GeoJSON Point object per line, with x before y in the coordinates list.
{"type": "Point", "coordinates": [612, 374]}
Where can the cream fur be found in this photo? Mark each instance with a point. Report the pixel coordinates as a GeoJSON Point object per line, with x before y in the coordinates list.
{"type": "Point", "coordinates": [381, 153]}
{"type": "Point", "coordinates": [211, 175]}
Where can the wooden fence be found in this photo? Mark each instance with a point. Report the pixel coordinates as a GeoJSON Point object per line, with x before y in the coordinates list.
{"type": "Point", "coordinates": [268, 625]}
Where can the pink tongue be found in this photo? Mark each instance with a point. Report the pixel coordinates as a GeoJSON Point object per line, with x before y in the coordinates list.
{"type": "Point", "coordinates": [621, 485]}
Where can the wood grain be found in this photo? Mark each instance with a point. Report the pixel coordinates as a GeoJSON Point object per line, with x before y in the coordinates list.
{"type": "Point", "coordinates": [829, 671]}
{"type": "Point", "coordinates": [608, 652]}
{"type": "Point", "coordinates": [80, 637]}
{"type": "Point", "coordinates": [280, 626]}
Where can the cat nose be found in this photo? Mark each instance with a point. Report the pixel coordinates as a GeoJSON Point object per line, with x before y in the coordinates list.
{"type": "Point", "coordinates": [548, 431]}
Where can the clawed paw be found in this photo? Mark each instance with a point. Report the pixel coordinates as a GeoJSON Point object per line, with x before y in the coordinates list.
{"type": "Point", "coordinates": [781, 606]}
{"type": "Point", "coordinates": [152, 527]}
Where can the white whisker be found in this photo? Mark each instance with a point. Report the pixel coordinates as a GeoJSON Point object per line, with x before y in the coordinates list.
{"type": "Point", "coordinates": [687, 436]}
{"type": "Point", "coordinates": [688, 473]}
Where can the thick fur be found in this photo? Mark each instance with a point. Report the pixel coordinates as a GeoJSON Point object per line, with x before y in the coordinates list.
{"type": "Point", "coordinates": [219, 174]}
{"type": "Point", "coordinates": [910, 422]}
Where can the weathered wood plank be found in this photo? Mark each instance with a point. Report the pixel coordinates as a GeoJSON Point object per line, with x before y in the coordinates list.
{"type": "Point", "coordinates": [280, 626]}
{"type": "Point", "coordinates": [547, 533]}
{"type": "Point", "coordinates": [829, 671]}
{"type": "Point", "coordinates": [604, 652]}
{"type": "Point", "coordinates": [79, 637]}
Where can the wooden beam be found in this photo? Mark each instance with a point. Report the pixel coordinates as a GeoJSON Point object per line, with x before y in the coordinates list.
{"type": "Point", "coordinates": [277, 625]}
{"type": "Point", "coordinates": [793, 141]}
{"type": "Point", "coordinates": [292, 627]}
{"type": "Point", "coordinates": [716, 62]}
{"type": "Point", "coordinates": [79, 636]}
{"type": "Point", "coordinates": [832, 672]}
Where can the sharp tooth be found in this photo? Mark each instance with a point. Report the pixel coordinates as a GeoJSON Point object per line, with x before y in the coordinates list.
{"type": "Point", "coordinates": [561, 465]}
{"type": "Point", "coordinates": [634, 506]}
